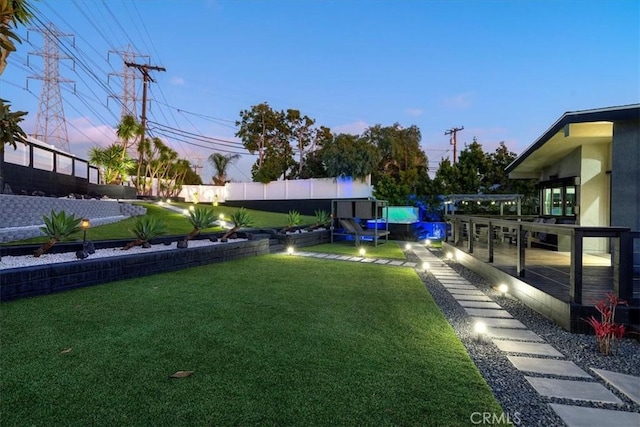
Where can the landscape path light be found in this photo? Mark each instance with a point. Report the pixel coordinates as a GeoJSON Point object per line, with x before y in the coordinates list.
{"type": "Point", "coordinates": [290, 250]}
{"type": "Point", "coordinates": [425, 266]}
{"type": "Point", "coordinates": [503, 289]}
{"type": "Point", "coordinates": [362, 252]}
{"type": "Point", "coordinates": [84, 252]}
{"type": "Point", "coordinates": [480, 329]}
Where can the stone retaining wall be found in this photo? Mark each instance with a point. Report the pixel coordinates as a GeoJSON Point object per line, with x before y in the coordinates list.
{"type": "Point", "coordinates": [21, 216]}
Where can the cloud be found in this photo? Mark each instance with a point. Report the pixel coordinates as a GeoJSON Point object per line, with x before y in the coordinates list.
{"type": "Point", "coordinates": [460, 101]}
{"type": "Point", "coordinates": [83, 135]}
{"type": "Point", "coordinates": [354, 128]}
{"type": "Point", "coordinates": [177, 81]}
{"type": "Point", "coordinates": [414, 112]}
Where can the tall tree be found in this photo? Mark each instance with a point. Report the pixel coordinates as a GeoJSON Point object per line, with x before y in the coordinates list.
{"type": "Point", "coordinates": [348, 155]}
{"type": "Point", "coordinates": [402, 163]}
{"type": "Point", "coordinates": [220, 164]}
{"type": "Point", "coordinates": [472, 166]}
{"type": "Point", "coordinates": [12, 13]}
{"type": "Point", "coordinates": [264, 131]}
{"type": "Point", "coordinates": [301, 131]}
{"type": "Point", "coordinates": [113, 164]}
{"type": "Point", "coordinates": [129, 132]}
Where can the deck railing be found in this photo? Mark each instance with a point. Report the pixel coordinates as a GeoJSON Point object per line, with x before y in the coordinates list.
{"type": "Point", "coordinates": [464, 228]}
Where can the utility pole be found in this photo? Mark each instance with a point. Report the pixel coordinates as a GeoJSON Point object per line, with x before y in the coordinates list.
{"type": "Point", "coordinates": [146, 78]}
{"type": "Point", "coordinates": [454, 141]}
{"type": "Point", "coordinates": [128, 76]}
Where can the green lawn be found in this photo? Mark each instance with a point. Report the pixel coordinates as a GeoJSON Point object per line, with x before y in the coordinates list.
{"type": "Point", "coordinates": [270, 341]}
{"type": "Point", "coordinates": [177, 223]}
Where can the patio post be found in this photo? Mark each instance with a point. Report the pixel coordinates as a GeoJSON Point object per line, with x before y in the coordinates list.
{"type": "Point", "coordinates": [575, 270]}
{"type": "Point", "coordinates": [490, 240]}
{"type": "Point", "coordinates": [521, 248]}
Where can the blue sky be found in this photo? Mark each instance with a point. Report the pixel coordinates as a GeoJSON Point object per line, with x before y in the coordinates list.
{"type": "Point", "coordinates": [505, 70]}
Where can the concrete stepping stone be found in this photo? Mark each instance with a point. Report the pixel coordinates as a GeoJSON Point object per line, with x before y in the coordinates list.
{"type": "Point", "coordinates": [344, 257]}
{"type": "Point", "coordinates": [579, 416]}
{"type": "Point", "coordinates": [381, 261]}
{"type": "Point", "coordinates": [465, 291]}
{"type": "Point", "coordinates": [465, 297]}
{"type": "Point", "coordinates": [629, 385]}
{"type": "Point", "coordinates": [538, 365]}
{"type": "Point", "coordinates": [485, 312]}
{"type": "Point", "coordinates": [458, 286]}
{"type": "Point", "coordinates": [330, 256]}
{"type": "Point", "coordinates": [410, 264]}
{"type": "Point", "coordinates": [499, 323]}
{"type": "Point", "coordinates": [480, 304]}
{"type": "Point", "coordinates": [317, 255]}
{"type": "Point", "coordinates": [368, 260]}
{"type": "Point", "coordinates": [396, 263]}
{"type": "Point", "coordinates": [574, 390]}
{"type": "Point", "coordinates": [356, 259]}
{"type": "Point", "coordinates": [541, 349]}
{"type": "Point", "coordinates": [514, 334]}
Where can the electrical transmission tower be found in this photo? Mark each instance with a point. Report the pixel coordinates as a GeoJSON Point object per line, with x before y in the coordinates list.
{"type": "Point", "coordinates": [51, 126]}
{"type": "Point", "coordinates": [128, 76]}
{"type": "Point", "coordinates": [454, 141]}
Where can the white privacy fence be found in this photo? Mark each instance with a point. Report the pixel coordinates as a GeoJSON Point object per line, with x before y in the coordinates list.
{"type": "Point", "coordinates": [315, 188]}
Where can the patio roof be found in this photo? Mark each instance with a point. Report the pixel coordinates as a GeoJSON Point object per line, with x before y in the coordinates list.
{"type": "Point", "coordinates": [572, 130]}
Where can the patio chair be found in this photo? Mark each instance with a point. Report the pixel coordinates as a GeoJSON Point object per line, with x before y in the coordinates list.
{"type": "Point", "coordinates": [352, 227]}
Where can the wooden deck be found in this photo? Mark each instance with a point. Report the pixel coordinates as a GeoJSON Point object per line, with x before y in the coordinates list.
{"type": "Point", "coordinates": [549, 271]}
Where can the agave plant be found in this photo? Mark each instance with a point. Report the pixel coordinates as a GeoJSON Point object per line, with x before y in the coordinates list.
{"type": "Point", "coordinates": [241, 219]}
{"type": "Point", "coordinates": [293, 219]}
{"type": "Point", "coordinates": [200, 218]}
{"type": "Point", "coordinates": [57, 226]}
{"type": "Point", "coordinates": [145, 228]}
{"type": "Point", "coordinates": [322, 219]}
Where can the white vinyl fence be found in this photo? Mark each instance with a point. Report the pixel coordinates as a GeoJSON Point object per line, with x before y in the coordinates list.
{"type": "Point", "coordinates": [315, 188]}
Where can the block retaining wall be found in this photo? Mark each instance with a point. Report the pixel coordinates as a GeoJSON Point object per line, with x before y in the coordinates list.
{"type": "Point", "coordinates": [40, 280]}
{"type": "Point", "coordinates": [46, 279]}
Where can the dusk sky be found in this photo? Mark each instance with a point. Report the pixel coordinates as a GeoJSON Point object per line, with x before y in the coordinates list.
{"type": "Point", "coordinates": [505, 70]}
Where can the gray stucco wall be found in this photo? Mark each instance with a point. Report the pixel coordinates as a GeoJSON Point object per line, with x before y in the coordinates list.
{"type": "Point", "coordinates": [625, 175]}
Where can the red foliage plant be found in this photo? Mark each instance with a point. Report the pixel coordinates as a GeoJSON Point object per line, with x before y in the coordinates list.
{"type": "Point", "coordinates": [606, 329]}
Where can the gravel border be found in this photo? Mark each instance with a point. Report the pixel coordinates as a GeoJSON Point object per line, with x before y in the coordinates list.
{"type": "Point", "coordinates": [518, 398]}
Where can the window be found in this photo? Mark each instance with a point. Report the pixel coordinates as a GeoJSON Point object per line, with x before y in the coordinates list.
{"type": "Point", "coordinates": [558, 197]}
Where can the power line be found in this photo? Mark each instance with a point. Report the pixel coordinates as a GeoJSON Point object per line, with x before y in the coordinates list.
{"type": "Point", "coordinates": [454, 141]}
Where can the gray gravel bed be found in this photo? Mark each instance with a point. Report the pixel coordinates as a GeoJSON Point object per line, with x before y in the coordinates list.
{"type": "Point", "coordinates": [518, 398]}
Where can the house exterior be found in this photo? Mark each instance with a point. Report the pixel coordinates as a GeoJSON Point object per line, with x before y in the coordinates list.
{"type": "Point", "coordinates": [587, 165]}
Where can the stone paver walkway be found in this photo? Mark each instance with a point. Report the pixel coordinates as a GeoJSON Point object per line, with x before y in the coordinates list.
{"type": "Point", "coordinates": [530, 354]}
{"type": "Point", "coordinates": [527, 351]}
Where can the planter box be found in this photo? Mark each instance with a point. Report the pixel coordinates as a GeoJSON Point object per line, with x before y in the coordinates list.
{"type": "Point", "coordinates": [45, 279]}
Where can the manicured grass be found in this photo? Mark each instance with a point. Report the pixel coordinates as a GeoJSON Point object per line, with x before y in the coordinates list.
{"type": "Point", "coordinates": [176, 223]}
{"type": "Point", "coordinates": [270, 341]}
{"type": "Point", "coordinates": [387, 250]}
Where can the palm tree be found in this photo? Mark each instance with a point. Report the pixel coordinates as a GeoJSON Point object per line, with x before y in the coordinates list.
{"type": "Point", "coordinates": [220, 163]}
{"type": "Point", "coordinates": [114, 162]}
{"type": "Point", "coordinates": [240, 218]}
{"type": "Point", "coordinates": [10, 132]}
{"type": "Point", "coordinates": [145, 229]}
{"type": "Point", "coordinates": [128, 129]}
{"type": "Point", "coordinates": [57, 227]}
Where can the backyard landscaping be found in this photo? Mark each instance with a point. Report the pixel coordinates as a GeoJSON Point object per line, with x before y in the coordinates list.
{"type": "Point", "coordinates": [267, 340]}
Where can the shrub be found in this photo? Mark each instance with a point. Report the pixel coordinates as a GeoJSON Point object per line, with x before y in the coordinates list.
{"type": "Point", "coordinates": [606, 329]}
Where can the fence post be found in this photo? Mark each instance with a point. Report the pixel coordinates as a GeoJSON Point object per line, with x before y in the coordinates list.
{"type": "Point", "coordinates": [472, 233]}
